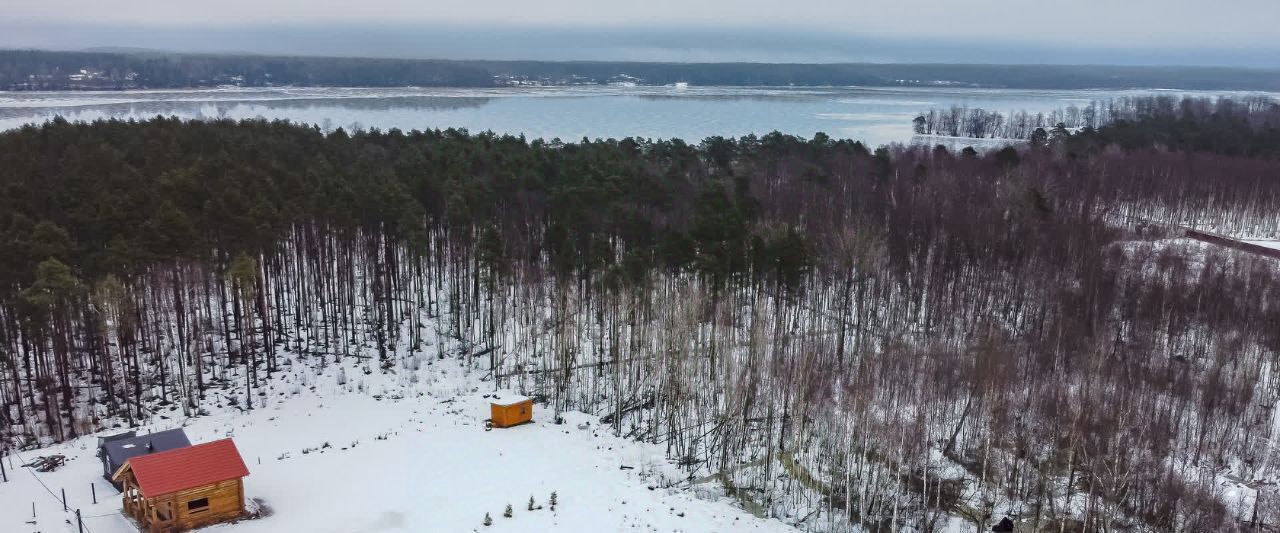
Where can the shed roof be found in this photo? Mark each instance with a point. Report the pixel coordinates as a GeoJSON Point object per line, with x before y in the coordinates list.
{"type": "Point", "coordinates": [187, 468]}
{"type": "Point", "coordinates": [118, 436]}
{"type": "Point", "coordinates": [119, 450]}
{"type": "Point", "coordinates": [510, 399]}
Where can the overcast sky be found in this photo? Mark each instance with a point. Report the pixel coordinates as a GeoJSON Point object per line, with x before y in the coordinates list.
{"type": "Point", "coordinates": [1237, 32]}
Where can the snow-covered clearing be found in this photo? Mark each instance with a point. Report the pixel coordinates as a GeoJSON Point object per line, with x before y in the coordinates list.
{"type": "Point", "coordinates": [349, 451]}
{"type": "Point", "coordinates": [1266, 244]}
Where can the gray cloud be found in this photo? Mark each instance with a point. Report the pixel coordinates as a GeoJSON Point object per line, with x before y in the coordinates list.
{"type": "Point", "coordinates": [1098, 21]}
{"type": "Point", "coordinates": [1233, 32]}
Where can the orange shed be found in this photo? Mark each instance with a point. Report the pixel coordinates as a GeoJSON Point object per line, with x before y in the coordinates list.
{"type": "Point", "coordinates": [511, 411]}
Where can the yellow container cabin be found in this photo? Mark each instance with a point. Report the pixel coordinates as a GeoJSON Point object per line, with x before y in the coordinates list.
{"type": "Point", "coordinates": [511, 411]}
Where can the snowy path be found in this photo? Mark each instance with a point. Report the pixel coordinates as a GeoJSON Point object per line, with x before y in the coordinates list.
{"type": "Point", "coordinates": [422, 463]}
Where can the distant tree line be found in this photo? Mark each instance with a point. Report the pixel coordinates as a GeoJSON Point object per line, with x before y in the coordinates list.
{"type": "Point", "coordinates": [844, 337]}
{"type": "Point", "coordinates": [45, 70]}
{"type": "Point", "coordinates": [978, 123]}
{"type": "Point", "coordinates": [1237, 126]}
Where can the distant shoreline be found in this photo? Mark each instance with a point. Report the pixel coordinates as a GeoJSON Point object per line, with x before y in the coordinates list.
{"type": "Point", "coordinates": [36, 70]}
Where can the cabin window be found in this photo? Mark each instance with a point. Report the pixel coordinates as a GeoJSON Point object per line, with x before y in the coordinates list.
{"type": "Point", "coordinates": [195, 506]}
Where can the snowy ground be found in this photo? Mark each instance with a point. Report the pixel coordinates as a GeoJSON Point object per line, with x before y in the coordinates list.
{"type": "Point", "coordinates": [1266, 244]}
{"type": "Point", "coordinates": [346, 451]}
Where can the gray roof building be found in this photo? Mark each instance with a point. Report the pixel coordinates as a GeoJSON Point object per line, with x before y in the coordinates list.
{"type": "Point", "coordinates": [115, 450]}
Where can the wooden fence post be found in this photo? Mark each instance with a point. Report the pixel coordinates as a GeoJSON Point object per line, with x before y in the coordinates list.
{"type": "Point", "coordinates": [94, 490]}
{"type": "Point", "coordinates": [64, 499]}
{"type": "Point", "coordinates": [79, 522]}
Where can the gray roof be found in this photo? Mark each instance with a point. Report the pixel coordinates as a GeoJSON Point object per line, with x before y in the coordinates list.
{"type": "Point", "coordinates": [108, 438]}
{"type": "Point", "coordinates": [119, 451]}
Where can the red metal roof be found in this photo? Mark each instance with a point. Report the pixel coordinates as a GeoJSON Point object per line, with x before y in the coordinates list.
{"type": "Point", "coordinates": [187, 468]}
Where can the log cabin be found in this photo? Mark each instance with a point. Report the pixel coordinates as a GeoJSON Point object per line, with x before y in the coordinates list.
{"type": "Point", "coordinates": [186, 488]}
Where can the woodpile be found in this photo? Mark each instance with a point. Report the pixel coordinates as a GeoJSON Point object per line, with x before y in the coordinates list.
{"type": "Point", "coordinates": [47, 463]}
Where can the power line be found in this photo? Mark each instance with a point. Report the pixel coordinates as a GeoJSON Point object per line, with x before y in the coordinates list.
{"type": "Point", "coordinates": [50, 491]}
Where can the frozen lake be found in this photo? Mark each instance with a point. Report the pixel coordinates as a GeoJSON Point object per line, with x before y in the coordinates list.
{"type": "Point", "coordinates": [874, 115]}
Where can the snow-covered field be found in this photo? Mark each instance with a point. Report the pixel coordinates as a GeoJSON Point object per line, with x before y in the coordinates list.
{"type": "Point", "coordinates": [1266, 244]}
{"type": "Point", "coordinates": [349, 451]}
